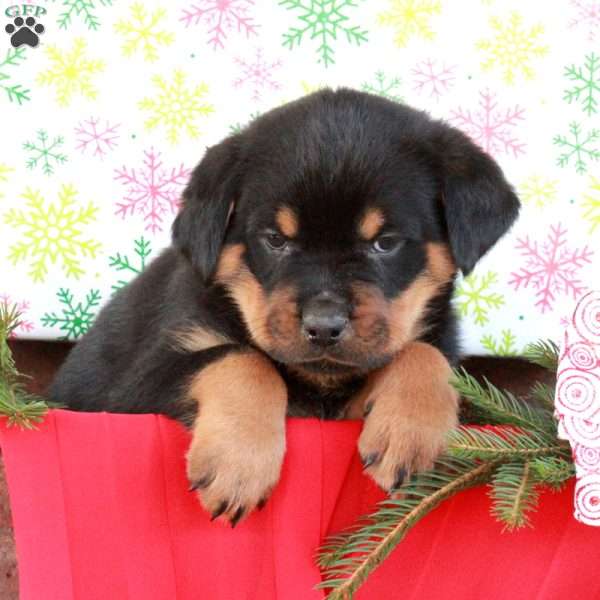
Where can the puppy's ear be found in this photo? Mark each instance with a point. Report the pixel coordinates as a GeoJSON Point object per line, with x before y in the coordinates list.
{"type": "Point", "coordinates": [479, 204]}
{"type": "Point", "coordinates": [208, 201]}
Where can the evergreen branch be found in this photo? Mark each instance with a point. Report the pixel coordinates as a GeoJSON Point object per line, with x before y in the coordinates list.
{"type": "Point", "coordinates": [544, 354]}
{"type": "Point", "coordinates": [553, 471]}
{"type": "Point", "coordinates": [502, 408]}
{"type": "Point", "coordinates": [514, 494]}
{"type": "Point", "coordinates": [16, 404]}
{"type": "Point", "coordinates": [363, 551]}
{"type": "Point", "coordinates": [500, 443]}
{"type": "Point", "coordinates": [543, 394]}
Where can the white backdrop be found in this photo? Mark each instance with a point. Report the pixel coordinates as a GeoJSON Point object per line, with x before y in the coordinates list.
{"type": "Point", "coordinates": [101, 123]}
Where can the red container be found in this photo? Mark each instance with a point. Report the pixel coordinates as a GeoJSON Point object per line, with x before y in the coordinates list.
{"type": "Point", "coordinates": [102, 512]}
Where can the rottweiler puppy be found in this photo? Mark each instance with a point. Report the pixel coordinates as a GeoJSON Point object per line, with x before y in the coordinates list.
{"type": "Point", "coordinates": [310, 274]}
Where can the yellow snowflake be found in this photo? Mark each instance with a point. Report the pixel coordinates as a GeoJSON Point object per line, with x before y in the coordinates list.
{"type": "Point", "coordinates": [410, 18]}
{"type": "Point", "coordinates": [71, 72]}
{"type": "Point", "coordinates": [538, 191]}
{"type": "Point", "coordinates": [4, 171]}
{"type": "Point", "coordinates": [52, 233]}
{"type": "Point", "coordinates": [512, 47]}
{"type": "Point", "coordinates": [141, 32]}
{"type": "Point", "coordinates": [591, 204]}
{"type": "Point", "coordinates": [176, 107]}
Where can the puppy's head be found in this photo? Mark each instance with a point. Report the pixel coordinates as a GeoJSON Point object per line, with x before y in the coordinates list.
{"type": "Point", "coordinates": [335, 220]}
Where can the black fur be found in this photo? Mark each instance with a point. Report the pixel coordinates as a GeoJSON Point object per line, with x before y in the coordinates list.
{"type": "Point", "coordinates": [327, 156]}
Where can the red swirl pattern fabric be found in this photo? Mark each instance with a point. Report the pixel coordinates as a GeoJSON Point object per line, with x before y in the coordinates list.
{"type": "Point", "coordinates": [578, 402]}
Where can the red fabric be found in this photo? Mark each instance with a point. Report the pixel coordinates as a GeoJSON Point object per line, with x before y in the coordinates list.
{"type": "Point", "coordinates": [101, 511]}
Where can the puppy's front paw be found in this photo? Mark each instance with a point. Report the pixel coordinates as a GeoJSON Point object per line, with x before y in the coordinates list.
{"type": "Point", "coordinates": [411, 408]}
{"type": "Point", "coordinates": [237, 450]}
{"type": "Point", "coordinates": [233, 466]}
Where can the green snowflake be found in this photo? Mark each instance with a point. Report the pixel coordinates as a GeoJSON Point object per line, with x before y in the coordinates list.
{"type": "Point", "coordinates": [15, 92]}
{"type": "Point", "coordinates": [45, 152]}
{"type": "Point", "coordinates": [4, 171]}
{"type": "Point", "coordinates": [176, 107]}
{"type": "Point", "coordinates": [577, 147]}
{"type": "Point", "coordinates": [323, 20]}
{"type": "Point", "coordinates": [81, 8]}
{"type": "Point", "coordinates": [383, 88]}
{"type": "Point", "coordinates": [120, 262]}
{"type": "Point", "coordinates": [75, 319]}
{"type": "Point", "coordinates": [473, 297]}
{"type": "Point", "coordinates": [71, 72]}
{"type": "Point", "coordinates": [591, 204]}
{"type": "Point", "coordinates": [410, 18]}
{"type": "Point", "coordinates": [538, 191]}
{"type": "Point", "coordinates": [506, 346]}
{"type": "Point", "coordinates": [513, 48]}
{"type": "Point", "coordinates": [237, 127]}
{"type": "Point", "coordinates": [141, 32]}
{"type": "Point", "coordinates": [587, 83]}
{"type": "Point", "coordinates": [52, 233]}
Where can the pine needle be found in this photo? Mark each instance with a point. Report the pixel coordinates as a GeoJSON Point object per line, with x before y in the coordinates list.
{"type": "Point", "coordinates": [553, 471]}
{"type": "Point", "coordinates": [20, 407]}
{"type": "Point", "coordinates": [543, 353]}
{"type": "Point", "coordinates": [500, 443]}
{"type": "Point", "coordinates": [514, 494]}
{"type": "Point", "coordinates": [364, 550]}
{"type": "Point", "coordinates": [495, 407]}
{"type": "Point", "coordinates": [543, 394]}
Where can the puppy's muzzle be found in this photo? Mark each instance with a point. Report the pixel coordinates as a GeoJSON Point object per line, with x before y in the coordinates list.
{"type": "Point", "coordinates": [324, 320]}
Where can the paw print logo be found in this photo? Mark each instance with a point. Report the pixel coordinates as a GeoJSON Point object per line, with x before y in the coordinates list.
{"type": "Point", "coordinates": [24, 31]}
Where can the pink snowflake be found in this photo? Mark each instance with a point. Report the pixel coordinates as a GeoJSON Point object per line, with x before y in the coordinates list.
{"type": "Point", "coordinates": [550, 267]}
{"type": "Point", "coordinates": [152, 190]}
{"type": "Point", "coordinates": [588, 17]}
{"type": "Point", "coordinates": [490, 126]}
{"type": "Point", "coordinates": [257, 74]}
{"type": "Point", "coordinates": [433, 78]}
{"type": "Point", "coordinates": [102, 138]}
{"type": "Point", "coordinates": [221, 16]}
{"type": "Point", "coordinates": [24, 326]}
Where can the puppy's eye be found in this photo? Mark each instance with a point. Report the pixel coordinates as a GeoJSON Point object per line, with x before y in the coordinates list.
{"type": "Point", "coordinates": [275, 240]}
{"type": "Point", "coordinates": [385, 244]}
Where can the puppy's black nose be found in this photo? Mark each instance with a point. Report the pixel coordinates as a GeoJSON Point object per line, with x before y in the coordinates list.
{"type": "Point", "coordinates": [324, 321]}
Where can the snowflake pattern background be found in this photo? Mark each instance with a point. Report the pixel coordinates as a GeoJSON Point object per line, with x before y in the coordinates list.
{"type": "Point", "coordinates": [175, 107]}
{"type": "Point", "coordinates": [143, 32]}
{"type": "Point", "coordinates": [95, 137]}
{"type": "Point", "coordinates": [151, 191]}
{"type": "Point", "coordinates": [551, 267]}
{"type": "Point", "coordinates": [44, 152]}
{"type": "Point", "coordinates": [128, 96]}
{"type": "Point", "coordinates": [51, 233]}
{"type": "Point", "coordinates": [491, 126]}
{"type": "Point", "coordinates": [513, 47]}
{"type": "Point", "coordinates": [71, 72]}
{"type": "Point", "coordinates": [257, 74]}
{"type": "Point", "coordinates": [221, 18]}
{"type": "Point", "coordinates": [74, 318]}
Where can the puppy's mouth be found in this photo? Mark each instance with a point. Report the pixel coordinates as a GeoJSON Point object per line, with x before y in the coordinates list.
{"type": "Point", "coordinates": [327, 363]}
{"type": "Point", "coordinates": [332, 362]}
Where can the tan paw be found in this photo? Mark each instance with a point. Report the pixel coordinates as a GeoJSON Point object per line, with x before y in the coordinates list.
{"type": "Point", "coordinates": [410, 408]}
{"type": "Point", "coordinates": [235, 458]}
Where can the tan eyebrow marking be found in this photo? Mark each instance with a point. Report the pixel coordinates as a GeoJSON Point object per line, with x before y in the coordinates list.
{"type": "Point", "coordinates": [287, 221]}
{"type": "Point", "coordinates": [371, 223]}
